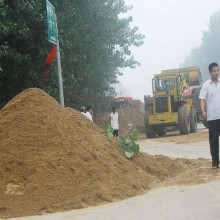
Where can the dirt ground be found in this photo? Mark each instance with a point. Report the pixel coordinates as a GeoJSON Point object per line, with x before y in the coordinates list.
{"type": "Point", "coordinates": [54, 159]}
{"type": "Point", "coordinates": [200, 135]}
{"type": "Point", "coordinates": [192, 173]}
{"type": "Point", "coordinates": [201, 170]}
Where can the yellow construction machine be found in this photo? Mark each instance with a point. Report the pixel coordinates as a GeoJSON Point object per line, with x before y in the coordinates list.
{"type": "Point", "coordinates": [168, 106]}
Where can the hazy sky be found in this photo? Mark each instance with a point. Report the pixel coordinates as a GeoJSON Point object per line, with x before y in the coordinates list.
{"type": "Point", "coordinates": [171, 29]}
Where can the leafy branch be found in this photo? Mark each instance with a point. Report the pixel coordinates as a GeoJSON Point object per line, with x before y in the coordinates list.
{"type": "Point", "coordinates": [109, 131]}
{"type": "Point", "coordinates": [128, 142]}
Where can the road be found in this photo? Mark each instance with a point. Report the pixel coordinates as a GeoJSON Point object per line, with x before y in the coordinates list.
{"type": "Point", "coordinates": [171, 203]}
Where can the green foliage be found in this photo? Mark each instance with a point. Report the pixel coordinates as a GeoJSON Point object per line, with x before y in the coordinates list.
{"type": "Point", "coordinates": [23, 42]}
{"type": "Point", "coordinates": [95, 43]}
{"type": "Point", "coordinates": [95, 47]}
{"type": "Point", "coordinates": [127, 142]}
{"type": "Point", "coordinates": [209, 50]}
{"type": "Point", "coordinates": [109, 131]}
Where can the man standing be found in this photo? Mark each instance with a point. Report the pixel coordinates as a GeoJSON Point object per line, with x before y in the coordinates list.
{"type": "Point", "coordinates": [210, 106]}
{"type": "Point", "coordinates": [165, 86]}
{"type": "Point", "coordinates": [88, 113]}
{"type": "Point", "coordinates": [114, 122]}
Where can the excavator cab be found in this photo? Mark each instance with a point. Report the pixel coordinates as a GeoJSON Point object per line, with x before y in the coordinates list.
{"type": "Point", "coordinates": [164, 84]}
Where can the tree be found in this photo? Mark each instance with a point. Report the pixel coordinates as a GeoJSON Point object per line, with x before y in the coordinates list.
{"type": "Point", "coordinates": [209, 50]}
{"type": "Point", "coordinates": [95, 46]}
{"type": "Point", "coordinates": [22, 37]}
{"type": "Point", "coordinates": [94, 41]}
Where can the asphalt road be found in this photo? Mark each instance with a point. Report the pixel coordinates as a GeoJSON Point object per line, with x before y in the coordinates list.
{"type": "Point", "coordinates": [171, 203]}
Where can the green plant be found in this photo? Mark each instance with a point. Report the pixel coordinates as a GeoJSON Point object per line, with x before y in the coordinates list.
{"type": "Point", "coordinates": [127, 142]}
{"type": "Point", "coordinates": [109, 131]}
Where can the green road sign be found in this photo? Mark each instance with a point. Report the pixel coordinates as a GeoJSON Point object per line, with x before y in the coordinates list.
{"type": "Point", "coordinates": [51, 23]}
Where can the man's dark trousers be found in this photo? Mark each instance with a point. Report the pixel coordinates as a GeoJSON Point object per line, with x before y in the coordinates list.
{"type": "Point", "coordinates": [214, 130]}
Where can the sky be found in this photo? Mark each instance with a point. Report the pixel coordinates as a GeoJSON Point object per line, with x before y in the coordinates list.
{"type": "Point", "coordinates": [171, 28]}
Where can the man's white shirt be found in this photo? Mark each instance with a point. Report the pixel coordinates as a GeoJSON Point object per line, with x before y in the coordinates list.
{"type": "Point", "coordinates": [210, 92]}
{"type": "Point", "coordinates": [89, 116]}
{"type": "Point", "coordinates": [114, 120]}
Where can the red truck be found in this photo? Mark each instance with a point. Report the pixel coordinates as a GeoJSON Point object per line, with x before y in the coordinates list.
{"type": "Point", "coordinates": [123, 102]}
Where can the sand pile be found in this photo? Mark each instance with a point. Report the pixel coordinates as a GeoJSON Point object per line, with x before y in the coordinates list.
{"type": "Point", "coordinates": [126, 116]}
{"type": "Point", "coordinates": [54, 159]}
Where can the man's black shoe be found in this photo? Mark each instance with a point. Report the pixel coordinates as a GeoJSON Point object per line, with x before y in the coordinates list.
{"type": "Point", "coordinates": [214, 166]}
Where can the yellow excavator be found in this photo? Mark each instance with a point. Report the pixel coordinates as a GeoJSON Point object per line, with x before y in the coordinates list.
{"type": "Point", "coordinates": [168, 106]}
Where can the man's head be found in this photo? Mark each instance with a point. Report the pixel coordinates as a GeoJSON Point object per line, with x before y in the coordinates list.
{"type": "Point", "coordinates": [89, 109]}
{"type": "Point", "coordinates": [113, 109]}
{"type": "Point", "coordinates": [82, 108]}
{"type": "Point", "coordinates": [214, 71]}
{"type": "Point", "coordinates": [164, 84]}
